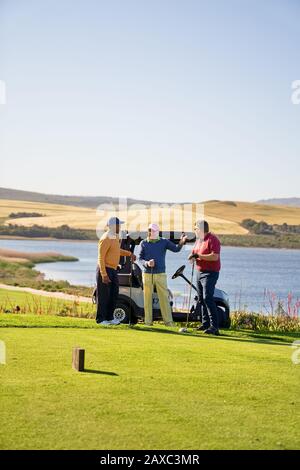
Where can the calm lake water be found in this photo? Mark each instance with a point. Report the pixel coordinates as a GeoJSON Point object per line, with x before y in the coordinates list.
{"type": "Point", "coordinates": [249, 275]}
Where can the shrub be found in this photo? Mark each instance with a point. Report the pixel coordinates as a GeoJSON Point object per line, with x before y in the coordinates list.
{"type": "Point", "coordinates": [258, 322]}
{"type": "Point", "coordinates": [21, 215]}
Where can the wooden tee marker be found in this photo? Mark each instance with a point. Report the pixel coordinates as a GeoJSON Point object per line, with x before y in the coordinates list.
{"type": "Point", "coordinates": [78, 359]}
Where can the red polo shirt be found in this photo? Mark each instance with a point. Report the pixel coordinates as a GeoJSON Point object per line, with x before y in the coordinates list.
{"type": "Point", "coordinates": [204, 247]}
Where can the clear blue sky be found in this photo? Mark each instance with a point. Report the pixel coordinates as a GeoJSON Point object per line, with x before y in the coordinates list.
{"type": "Point", "coordinates": [162, 99]}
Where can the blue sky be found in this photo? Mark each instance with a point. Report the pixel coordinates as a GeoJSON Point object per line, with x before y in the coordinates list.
{"type": "Point", "coordinates": [162, 99]}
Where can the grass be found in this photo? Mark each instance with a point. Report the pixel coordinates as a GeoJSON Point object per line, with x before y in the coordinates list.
{"type": "Point", "coordinates": [282, 240]}
{"type": "Point", "coordinates": [145, 388]}
{"type": "Point", "coordinates": [32, 258]}
{"type": "Point", "coordinates": [283, 322]}
{"type": "Point", "coordinates": [25, 303]}
{"type": "Point", "coordinates": [22, 274]}
{"type": "Point", "coordinates": [236, 211]}
{"type": "Point", "coordinates": [88, 219]}
{"type": "Point", "coordinates": [8, 206]}
{"type": "Point", "coordinates": [28, 303]}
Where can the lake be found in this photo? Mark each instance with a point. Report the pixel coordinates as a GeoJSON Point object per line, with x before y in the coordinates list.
{"type": "Point", "coordinates": [250, 276]}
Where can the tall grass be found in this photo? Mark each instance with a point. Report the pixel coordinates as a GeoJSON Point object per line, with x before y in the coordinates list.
{"type": "Point", "coordinates": [284, 319]}
{"type": "Point", "coordinates": [37, 305]}
{"type": "Point", "coordinates": [277, 315]}
{"type": "Point", "coordinates": [259, 322]}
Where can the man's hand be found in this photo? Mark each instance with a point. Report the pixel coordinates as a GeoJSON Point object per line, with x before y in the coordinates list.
{"type": "Point", "coordinates": [105, 279]}
{"type": "Point", "coordinates": [193, 256]}
{"type": "Point", "coordinates": [133, 257]}
{"type": "Point", "coordinates": [183, 239]}
{"type": "Point", "coordinates": [151, 263]}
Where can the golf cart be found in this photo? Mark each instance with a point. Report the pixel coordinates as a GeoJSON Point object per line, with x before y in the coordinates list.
{"type": "Point", "coordinates": [130, 306]}
{"type": "Point", "coordinates": [123, 313]}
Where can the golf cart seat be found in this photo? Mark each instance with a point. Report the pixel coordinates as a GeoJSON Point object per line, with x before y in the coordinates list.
{"type": "Point", "coordinates": [124, 276]}
{"type": "Point", "coordinates": [137, 275]}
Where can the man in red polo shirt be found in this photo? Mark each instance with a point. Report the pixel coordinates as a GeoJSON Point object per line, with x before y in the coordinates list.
{"type": "Point", "coordinates": [206, 252]}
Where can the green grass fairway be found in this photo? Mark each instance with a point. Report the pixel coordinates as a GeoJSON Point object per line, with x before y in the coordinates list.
{"type": "Point", "coordinates": [145, 388]}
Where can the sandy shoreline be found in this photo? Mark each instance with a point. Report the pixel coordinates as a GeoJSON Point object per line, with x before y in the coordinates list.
{"type": "Point", "coordinates": [57, 295]}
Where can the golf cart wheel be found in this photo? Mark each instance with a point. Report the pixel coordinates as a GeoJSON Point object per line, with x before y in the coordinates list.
{"type": "Point", "coordinates": [223, 316]}
{"type": "Point", "coordinates": [122, 314]}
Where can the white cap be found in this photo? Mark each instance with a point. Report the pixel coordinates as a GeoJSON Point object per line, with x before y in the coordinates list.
{"type": "Point", "coordinates": [154, 227]}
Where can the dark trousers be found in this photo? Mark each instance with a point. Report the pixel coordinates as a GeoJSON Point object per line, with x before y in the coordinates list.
{"type": "Point", "coordinates": [206, 282]}
{"type": "Point", "coordinates": [107, 295]}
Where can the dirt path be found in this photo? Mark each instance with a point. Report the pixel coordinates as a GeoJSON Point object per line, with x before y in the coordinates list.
{"type": "Point", "coordinates": [57, 295]}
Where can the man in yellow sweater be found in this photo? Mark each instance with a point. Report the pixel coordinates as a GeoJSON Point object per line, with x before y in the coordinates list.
{"type": "Point", "coordinates": [109, 253]}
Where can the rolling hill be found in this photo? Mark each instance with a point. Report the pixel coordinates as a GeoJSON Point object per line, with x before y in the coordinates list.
{"type": "Point", "coordinates": [55, 215]}
{"type": "Point", "coordinates": [78, 201]}
{"type": "Point", "coordinates": [224, 216]}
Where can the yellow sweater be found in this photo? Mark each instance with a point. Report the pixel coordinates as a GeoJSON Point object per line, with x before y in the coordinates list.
{"type": "Point", "coordinates": [109, 253]}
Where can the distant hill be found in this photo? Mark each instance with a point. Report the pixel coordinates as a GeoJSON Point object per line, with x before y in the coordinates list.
{"type": "Point", "coordinates": [288, 201]}
{"type": "Point", "coordinates": [80, 201]}
{"type": "Point", "coordinates": [224, 217]}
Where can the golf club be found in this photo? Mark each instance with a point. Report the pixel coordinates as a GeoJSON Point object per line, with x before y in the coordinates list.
{"type": "Point", "coordinates": [152, 287]}
{"type": "Point", "coordinates": [130, 292]}
{"type": "Point", "coordinates": [185, 329]}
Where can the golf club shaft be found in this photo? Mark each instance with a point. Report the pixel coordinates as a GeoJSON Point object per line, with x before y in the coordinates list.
{"type": "Point", "coordinates": [190, 295]}
{"type": "Point", "coordinates": [189, 282]}
{"type": "Point", "coordinates": [130, 291]}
